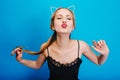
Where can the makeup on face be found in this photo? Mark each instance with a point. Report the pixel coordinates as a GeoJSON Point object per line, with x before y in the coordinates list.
{"type": "Point", "coordinates": [64, 25]}
{"type": "Point", "coordinates": [64, 19]}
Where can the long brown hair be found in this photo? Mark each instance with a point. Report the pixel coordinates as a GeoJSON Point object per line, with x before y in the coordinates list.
{"type": "Point", "coordinates": [52, 38]}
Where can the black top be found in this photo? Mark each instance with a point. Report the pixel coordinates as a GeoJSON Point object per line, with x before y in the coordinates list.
{"type": "Point", "coordinates": [60, 71]}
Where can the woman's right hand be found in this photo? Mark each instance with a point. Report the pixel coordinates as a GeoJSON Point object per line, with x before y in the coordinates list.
{"type": "Point", "coordinates": [18, 52]}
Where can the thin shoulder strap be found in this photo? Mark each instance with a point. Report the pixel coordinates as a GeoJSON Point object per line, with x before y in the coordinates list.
{"type": "Point", "coordinates": [48, 51]}
{"type": "Point", "coordinates": [78, 47]}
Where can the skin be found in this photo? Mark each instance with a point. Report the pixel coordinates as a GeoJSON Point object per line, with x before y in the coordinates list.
{"type": "Point", "coordinates": [64, 49]}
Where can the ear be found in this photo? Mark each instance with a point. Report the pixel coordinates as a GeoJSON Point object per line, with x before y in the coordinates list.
{"type": "Point", "coordinates": [53, 9]}
{"type": "Point", "coordinates": [53, 28]}
{"type": "Point", "coordinates": [72, 8]}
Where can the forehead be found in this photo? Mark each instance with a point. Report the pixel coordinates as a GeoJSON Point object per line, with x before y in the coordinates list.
{"type": "Point", "coordinates": [63, 12]}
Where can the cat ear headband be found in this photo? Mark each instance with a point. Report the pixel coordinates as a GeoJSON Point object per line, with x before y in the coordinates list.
{"type": "Point", "coordinates": [53, 9]}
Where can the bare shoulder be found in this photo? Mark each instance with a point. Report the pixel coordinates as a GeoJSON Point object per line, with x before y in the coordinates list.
{"type": "Point", "coordinates": [45, 53]}
{"type": "Point", "coordinates": [43, 45]}
{"type": "Point", "coordinates": [83, 45]}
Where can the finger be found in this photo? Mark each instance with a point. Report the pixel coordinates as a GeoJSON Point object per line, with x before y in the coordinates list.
{"type": "Point", "coordinates": [12, 53]}
{"type": "Point", "coordinates": [99, 43]}
{"type": "Point", "coordinates": [17, 50]}
{"type": "Point", "coordinates": [19, 47]}
{"type": "Point", "coordinates": [16, 55]}
{"type": "Point", "coordinates": [94, 48]}
{"type": "Point", "coordinates": [96, 44]}
{"type": "Point", "coordinates": [104, 42]}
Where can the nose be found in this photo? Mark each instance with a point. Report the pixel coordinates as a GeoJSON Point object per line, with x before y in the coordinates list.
{"type": "Point", "coordinates": [64, 21]}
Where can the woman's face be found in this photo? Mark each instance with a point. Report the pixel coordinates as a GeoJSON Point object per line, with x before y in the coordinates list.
{"type": "Point", "coordinates": [63, 21]}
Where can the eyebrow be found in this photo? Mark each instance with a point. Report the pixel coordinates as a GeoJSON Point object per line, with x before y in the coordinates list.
{"type": "Point", "coordinates": [62, 15]}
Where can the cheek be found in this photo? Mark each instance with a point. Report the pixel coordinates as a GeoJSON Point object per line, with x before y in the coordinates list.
{"type": "Point", "coordinates": [70, 23]}
{"type": "Point", "coordinates": [57, 23]}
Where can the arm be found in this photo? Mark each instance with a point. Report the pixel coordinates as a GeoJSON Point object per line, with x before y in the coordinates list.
{"type": "Point", "coordinates": [30, 63]}
{"type": "Point", "coordinates": [34, 64]}
{"type": "Point", "coordinates": [100, 47]}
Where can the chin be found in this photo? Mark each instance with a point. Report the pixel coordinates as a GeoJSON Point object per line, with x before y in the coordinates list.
{"type": "Point", "coordinates": [65, 32]}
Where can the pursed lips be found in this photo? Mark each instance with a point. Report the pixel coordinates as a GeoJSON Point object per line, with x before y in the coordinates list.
{"type": "Point", "coordinates": [64, 25]}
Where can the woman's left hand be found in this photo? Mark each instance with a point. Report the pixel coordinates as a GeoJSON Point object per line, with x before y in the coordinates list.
{"type": "Point", "coordinates": [101, 47]}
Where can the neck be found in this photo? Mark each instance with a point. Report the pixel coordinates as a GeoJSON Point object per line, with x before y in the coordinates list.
{"type": "Point", "coordinates": [63, 40]}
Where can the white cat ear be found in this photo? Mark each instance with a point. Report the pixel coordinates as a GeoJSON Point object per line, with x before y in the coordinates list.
{"type": "Point", "coordinates": [72, 8]}
{"type": "Point", "coordinates": [53, 9]}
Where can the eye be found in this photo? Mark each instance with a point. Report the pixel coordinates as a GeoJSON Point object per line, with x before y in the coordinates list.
{"type": "Point", "coordinates": [59, 18]}
{"type": "Point", "coordinates": [68, 18]}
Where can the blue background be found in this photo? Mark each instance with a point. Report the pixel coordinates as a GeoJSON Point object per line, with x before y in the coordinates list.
{"type": "Point", "coordinates": [27, 23]}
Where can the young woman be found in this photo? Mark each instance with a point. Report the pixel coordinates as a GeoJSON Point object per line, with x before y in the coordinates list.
{"type": "Point", "coordinates": [62, 53]}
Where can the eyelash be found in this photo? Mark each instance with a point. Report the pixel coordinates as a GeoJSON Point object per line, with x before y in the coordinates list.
{"type": "Point", "coordinates": [67, 18]}
{"type": "Point", "coordinates": [58, 18]}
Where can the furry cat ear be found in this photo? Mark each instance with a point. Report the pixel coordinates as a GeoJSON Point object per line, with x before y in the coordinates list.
{"type": "Point", "coordinates": [72, 8]}
{"type": "Point", "coordinates": [53, 9]}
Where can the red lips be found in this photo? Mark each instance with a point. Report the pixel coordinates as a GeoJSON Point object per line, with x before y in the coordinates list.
{"type": "Point", "coordinates": [64, 25]}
